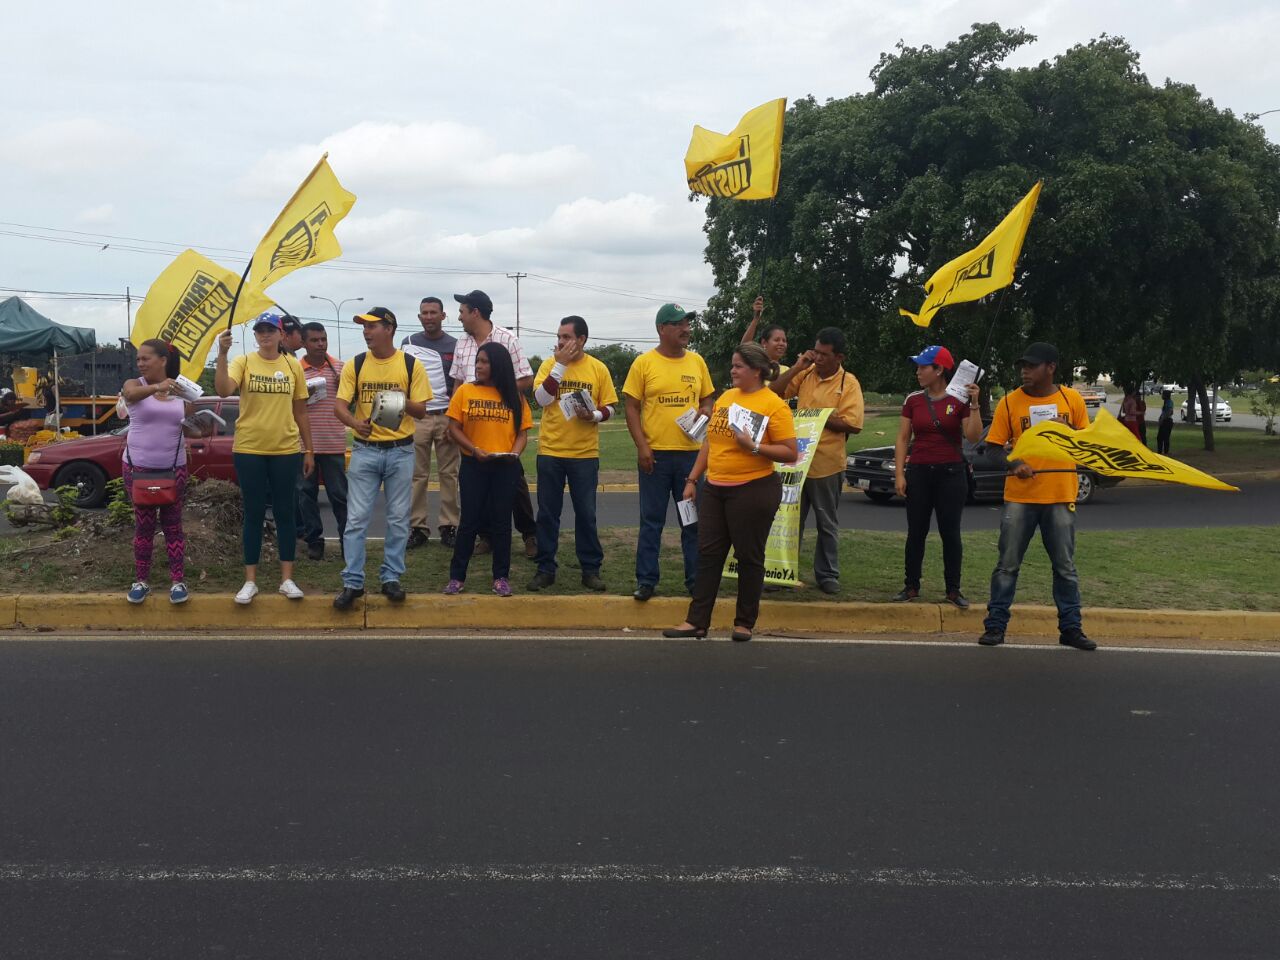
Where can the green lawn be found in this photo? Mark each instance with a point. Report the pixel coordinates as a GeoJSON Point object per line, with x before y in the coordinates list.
{"type": "Point", "coordinates": [1196, 569]}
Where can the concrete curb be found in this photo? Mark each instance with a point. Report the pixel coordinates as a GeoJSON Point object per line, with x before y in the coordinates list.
{"type": "Point", "coordinates": [217, 612]}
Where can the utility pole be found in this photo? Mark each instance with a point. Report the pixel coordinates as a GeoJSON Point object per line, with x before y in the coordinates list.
{"type": "Point", "coordinates": [128, 315]}
{"type": "Point", "coordinates": [337, 315]}
{"type": "Point", "coordinates": [517, 277]}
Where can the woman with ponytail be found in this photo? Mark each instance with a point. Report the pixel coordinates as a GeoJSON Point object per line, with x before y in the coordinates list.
{"type": "Point", "coordinates": [154, 445]}
{"type": "Point", "coordinates": [742, 492]}
{"type": "Point", "coordinates": [489, 421]}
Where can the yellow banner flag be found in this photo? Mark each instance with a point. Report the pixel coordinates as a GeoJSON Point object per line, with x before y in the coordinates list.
{"type": "Point", "coordinates": [1107, 447]}
{"type": "Point", "coordinates": [303, 233]}
{"type": "Point", "coordinates": [188, 305]}
{"type": "Point", "coordinates": [743, 164]}
{"type": "Point", "coordinates": [985, 268]}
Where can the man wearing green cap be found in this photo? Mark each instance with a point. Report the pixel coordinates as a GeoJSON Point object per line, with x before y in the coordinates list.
{"type": "Point", "coordinates": [662, 384]}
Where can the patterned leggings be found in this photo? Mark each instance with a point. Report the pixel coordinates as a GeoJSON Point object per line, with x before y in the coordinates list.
{"type": "Point", "coordinates": [144, 531]}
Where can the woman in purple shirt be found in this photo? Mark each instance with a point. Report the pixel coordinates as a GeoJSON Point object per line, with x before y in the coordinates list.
{"type": "Point", "coordinates": [154, 442]}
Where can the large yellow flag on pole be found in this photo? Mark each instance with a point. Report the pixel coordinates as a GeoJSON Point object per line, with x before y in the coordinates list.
{"type": "Point", "coordinates": [742, 164]}
{"type": "Point", "coordinates": [985, 268]}
{"type": "Point", "coordinates": [1107, 447]}
{"type": "Point", "coordinates": [188, 303]}
{"type": "Point", "coordinates": [303, 232]}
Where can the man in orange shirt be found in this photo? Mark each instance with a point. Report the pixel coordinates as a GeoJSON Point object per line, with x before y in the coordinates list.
{"type": "Point", "coordinates": [1038, 493]}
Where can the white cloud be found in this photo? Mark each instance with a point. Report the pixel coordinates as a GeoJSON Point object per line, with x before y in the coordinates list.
{"type": "Point", "coordinates": [424, 157]}
{"type": "Point", "coordinates": [75, 145]}
{"type": "Point", "coordinates": [103, 213]}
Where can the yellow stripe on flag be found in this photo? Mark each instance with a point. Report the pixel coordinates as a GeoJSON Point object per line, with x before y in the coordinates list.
{"type": "Point", "coordinates": [188, 304]}
{"type": "Point", "coordinates": [1107, 447]}
{"type": "Point", "coordinates": [985, 268]}
{"type": "Point", "coordinates": [303, 232]}
{"type": "Point", "coordinates": [742, 164]}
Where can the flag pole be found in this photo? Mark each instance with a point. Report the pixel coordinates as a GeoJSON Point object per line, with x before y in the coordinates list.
{"type": "Point", "coordinates": [764, 259]}
{"type": "Point", "coordinates": [231, 316]}
{"type": "Point", "coordinates": [982, 354]}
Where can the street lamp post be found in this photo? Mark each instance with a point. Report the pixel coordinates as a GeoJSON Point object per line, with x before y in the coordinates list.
{"type": "Point", "coordinates": [337, 314]}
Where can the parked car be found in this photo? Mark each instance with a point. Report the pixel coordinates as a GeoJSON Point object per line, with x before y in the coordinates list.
{"type": "Point", "coordinates": [871, 471]}
{"type": "Point", "coordinates": [1092, 394]}
{"type": "Point", "coordinates": [89, 463]}
{"type": "Point", "coordinates": [1220, 412]}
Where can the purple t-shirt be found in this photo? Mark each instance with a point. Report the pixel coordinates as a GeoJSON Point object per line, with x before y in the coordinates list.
{"type": "Point", "coordinates": [154, 428]}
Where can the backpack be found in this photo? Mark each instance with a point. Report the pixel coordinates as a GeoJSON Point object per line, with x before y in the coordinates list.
{"type": "Point", "coordinates": [358, 360]}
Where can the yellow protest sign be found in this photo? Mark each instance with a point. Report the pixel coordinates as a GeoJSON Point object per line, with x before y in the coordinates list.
{"type": "Point", "coordinates": [743, 164]}
{"type": "Point", "coordinates": [188, 306]}
{"type": "Point", "coordinates": [303, 232]}
{"type": "Point", "coordinates": [982, 270]}
{"type": "Point", "coordinates": [1107, 447]}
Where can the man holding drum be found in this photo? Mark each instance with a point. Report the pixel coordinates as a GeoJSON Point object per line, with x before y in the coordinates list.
{"type": "Point", "coordinates": [390, 391]}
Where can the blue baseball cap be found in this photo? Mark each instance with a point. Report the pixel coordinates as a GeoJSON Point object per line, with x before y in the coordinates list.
{"type": "Point", "coordinates": [268, 319]}
{"type": "Point", "coordinates": [935, 354]}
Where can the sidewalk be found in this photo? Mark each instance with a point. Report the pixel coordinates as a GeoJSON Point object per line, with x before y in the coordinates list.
{"type": "Point", "coordinates": [217, 612]}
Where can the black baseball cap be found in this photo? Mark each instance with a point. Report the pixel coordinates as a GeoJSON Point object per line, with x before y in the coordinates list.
{"type": "Point", "coordinates": [290, 324]}
{"type": "Point", "coordinates": [1037, 353]}
{"type": "Point", "coordinates": [476, 300]}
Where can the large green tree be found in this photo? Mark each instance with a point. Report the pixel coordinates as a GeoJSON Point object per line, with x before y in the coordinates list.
{"type": "Point", "coordinates": [1154, 249]}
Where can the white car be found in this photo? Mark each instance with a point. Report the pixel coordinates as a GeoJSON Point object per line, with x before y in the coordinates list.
{"type": "Point", "coordinates": [1221, 412]}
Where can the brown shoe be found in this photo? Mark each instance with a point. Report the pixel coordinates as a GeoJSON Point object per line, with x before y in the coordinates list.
{"type": "Point", "coordinates": [530, 546]}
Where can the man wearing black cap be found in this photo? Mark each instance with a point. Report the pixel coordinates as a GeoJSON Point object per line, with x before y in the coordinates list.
{"type": "Point", "coordinates": [293, 339]}
{"type": "Point", "coordinates": [474, 311]}
{"type": "Point", "coordinates": [1038, 493]}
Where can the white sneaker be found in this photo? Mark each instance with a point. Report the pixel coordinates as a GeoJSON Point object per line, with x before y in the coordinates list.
{"type": "Point", "coordinates": [290, 590]}
{"type": "Point", "coordinates": [247, 592]}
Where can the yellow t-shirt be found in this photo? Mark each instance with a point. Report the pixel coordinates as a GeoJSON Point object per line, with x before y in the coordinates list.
{"type": "Point", "coordinates": [575, 439]}
{"type": "Point", "coordinates": [265, 424]}
{"type": "Point", "coordinates": [842, 393]}
{"type": "Point", "coordinates": [485, 419]}
{"type": "Point", "coordinates": [379, 375]}
{"type": "Point", "coordinates": [666, 388]}
{"type": "Point", "coordinates": [728, 463]}
{"type": "Point", "coordinates": [1013, 415]}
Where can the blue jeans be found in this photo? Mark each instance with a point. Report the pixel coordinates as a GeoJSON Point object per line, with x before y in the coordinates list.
{"type": "Point", "coordinates": [670, 470]}
{"type": "Point", "coordinates": [332, 467]}
{"type": "Point", "coordinates": [372, 467]}
{"type": "Point", "coordinates": [1057, 523]}
{"type": "Point", "coordinates": [582, 475]}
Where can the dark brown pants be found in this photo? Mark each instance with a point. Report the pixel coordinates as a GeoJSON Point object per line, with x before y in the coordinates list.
{"type": "Point", "coordinates": [737, 517]}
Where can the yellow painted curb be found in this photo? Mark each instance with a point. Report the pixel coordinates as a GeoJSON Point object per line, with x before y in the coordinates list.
{"type": "Point", "coordinates": [8, 612]}
{"type": "Point", "coordinates": [1109, 622]}
{"type": "Point", "coordinates": [201, 612]}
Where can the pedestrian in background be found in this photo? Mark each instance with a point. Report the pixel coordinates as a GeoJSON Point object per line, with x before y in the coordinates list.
{"type": "Point", "coordinates": [1165, 430]}
{"type": "Point", "coordinates": [154, 442]}
{"type": "Point", "coordinates": [935, 476]}
{"type": "Point", "coordinates": [330, 438]}
{"type": "Point", "coordinates": [434, 349]}
{"type": "Point", "coordinates": [490, 421]}
{"type": "Point", "coordinates": [742, 492]}
{"type": "Point", "coordinates": [1133, 410]}
{"type": "Point", "coordinates": [771, 337]}
{"type": "Point", "coordinates": [271, 422]}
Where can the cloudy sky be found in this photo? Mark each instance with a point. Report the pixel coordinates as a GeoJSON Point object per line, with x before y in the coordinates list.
{"type": "Point", "coordinates": [481, 138]}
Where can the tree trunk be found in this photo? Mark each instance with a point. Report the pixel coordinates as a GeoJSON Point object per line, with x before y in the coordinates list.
{"type": "Point", "coordinates": [1198, 396]}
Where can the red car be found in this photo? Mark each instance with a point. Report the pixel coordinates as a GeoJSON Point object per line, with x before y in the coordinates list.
{"type": "Point", "coordinates": [89, 462]}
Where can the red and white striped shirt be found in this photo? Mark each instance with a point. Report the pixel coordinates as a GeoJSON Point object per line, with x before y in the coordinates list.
{"type": "Point", "coordinates": [328, 433]}
{"type": "Point", "coordinates": [464, 354]}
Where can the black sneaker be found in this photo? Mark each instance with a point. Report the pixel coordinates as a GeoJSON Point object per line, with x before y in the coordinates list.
{"type": "Point", "coordinates": [592, 581]}
{"type": "Point", "coordinates": [644, 592]}
{"type": "Point", "coordinates": [448, 536]}
{"type": "Point", "coordinates": [315, 551]}
{"type": "Point", "coordinates": [541, 580]}
{"type": "Point", "coordinates": [830, 587]}
{"type": "Point", "coordinates": [1075, 638]}
{"type": "Point", "coordinates": [992, 638]}
{"type": "Point", "coordinates": [905, 595]}
{"type": "Point", "coordinates": [347, 597]}
{"type": "Point", "coordinates": [958, 598]}
{"type": "Point", "coordinates": [393, 591]}
{"type": "Point", "coordinates": [417, 538]}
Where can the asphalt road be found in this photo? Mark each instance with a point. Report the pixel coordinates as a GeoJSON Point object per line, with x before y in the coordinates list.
{"type": "Point", "coordinates": [575, 798]}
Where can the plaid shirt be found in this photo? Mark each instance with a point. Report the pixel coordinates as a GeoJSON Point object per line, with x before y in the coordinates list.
{"type": "Point", "coordinates": [464, 354]}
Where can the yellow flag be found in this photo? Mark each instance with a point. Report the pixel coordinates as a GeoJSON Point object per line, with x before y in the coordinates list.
{"type": "Point", "coordinates": [987, 267]}
{"type": "Point", "coordinates": [1107, 447]}
{"type": "Point", "coordinates": [188, 304]}
{"type": "Point", "coordinates": [743, 164]}
{"type": "Point", "coordinates": [303, 233]}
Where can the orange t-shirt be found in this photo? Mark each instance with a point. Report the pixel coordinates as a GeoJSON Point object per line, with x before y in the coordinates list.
{"type": "Point", "coordinates": [1017, 412]}
{"type": "Point", "coordinates": [728, 463]}
{"type": "Point", "coordinates": [485, 418]}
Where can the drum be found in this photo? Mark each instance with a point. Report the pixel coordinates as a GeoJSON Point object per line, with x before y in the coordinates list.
{"type": "Point", "coordinates": [388, 409]}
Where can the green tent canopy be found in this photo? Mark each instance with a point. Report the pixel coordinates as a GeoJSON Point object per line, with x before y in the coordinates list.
{"type": "Point", "coordinates": [26, 333]}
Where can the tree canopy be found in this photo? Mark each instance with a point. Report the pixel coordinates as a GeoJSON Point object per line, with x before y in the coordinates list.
{"type": "Point", "coordinates": [1155, 247]}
